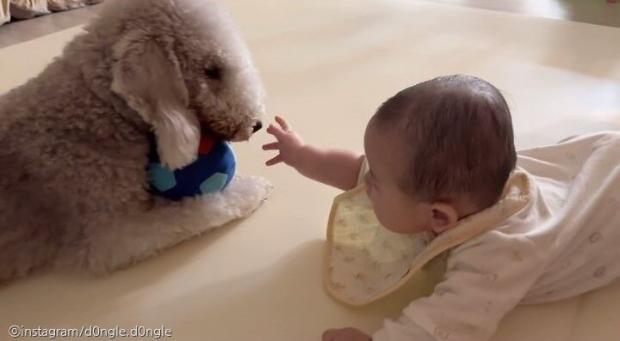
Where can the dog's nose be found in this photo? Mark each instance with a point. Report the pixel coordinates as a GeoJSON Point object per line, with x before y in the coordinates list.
{"type": "Point", "coordinates": [257, 126]}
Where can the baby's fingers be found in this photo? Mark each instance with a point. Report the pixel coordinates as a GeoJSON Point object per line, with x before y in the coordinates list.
{"type": "Point", "coordinates": [275, 160]}
{"type": "Point", "coordinates": [275, 131]}
{"type": "Point", "coordinates": [330, 335]}
{"type": "Point", "coordinates": [271, 146]}
{"type": "Point", "coordinates": [283, 123]}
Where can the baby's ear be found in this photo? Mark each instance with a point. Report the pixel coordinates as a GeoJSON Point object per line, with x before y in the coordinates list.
{"type": "Point", "coordinates": [147, 75]}
{"type": "Point", "coordinates": [443, 217]}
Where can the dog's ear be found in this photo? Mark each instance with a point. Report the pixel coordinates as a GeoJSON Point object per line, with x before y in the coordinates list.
{"type": "Point", "coordinates": [147, 75]}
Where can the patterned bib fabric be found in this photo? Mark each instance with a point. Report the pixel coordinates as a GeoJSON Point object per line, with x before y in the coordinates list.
{"type": "Point", "coordinates": [365, 261]}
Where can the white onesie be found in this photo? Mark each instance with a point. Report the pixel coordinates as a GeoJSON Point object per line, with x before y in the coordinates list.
{"type": "Point", "coordinates": [565, 242]}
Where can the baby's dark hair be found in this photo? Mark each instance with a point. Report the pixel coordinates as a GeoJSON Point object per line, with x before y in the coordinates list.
{"type": "Point", "coordinates": [458, 131]}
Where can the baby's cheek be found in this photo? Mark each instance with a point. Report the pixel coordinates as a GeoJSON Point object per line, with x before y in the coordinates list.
{"type": "Point", "coordinates": [371, 192]}
{"type": "Point", "coordinates": [373, 196]}
{"type": "Point", "coordinates": [381, 214]}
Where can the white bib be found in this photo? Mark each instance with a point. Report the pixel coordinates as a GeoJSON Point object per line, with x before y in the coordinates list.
{"type": "Point", "coordinates": [365, 261]}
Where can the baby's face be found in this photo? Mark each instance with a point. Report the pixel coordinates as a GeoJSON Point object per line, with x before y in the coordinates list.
{"type": "Point", "coordinates": [396, 210]}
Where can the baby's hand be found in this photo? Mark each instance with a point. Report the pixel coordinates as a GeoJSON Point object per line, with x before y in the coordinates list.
{"type": "Point", "coordinates": [345, 334]}
{"type": "Point", "coordinates": [288, 145]}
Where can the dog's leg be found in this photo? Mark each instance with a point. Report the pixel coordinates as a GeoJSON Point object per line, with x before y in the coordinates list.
{"type": "Point", "coordinates": [30, 226]}
{"type": "Point", "coordinates": [119, 244]}
{"type": "Point", "coordinates": [23, 249]}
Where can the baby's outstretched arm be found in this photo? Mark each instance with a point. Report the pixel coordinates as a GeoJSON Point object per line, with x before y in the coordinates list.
{"type": "Point", "coordinates": [336, 168]}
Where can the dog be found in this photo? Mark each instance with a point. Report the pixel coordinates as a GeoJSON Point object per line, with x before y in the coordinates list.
{"type": "Point", "coordinates": [74, 140]}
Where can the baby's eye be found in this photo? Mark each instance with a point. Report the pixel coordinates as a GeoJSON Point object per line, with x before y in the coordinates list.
{"type": "Point", "coordinates": [213, 72]}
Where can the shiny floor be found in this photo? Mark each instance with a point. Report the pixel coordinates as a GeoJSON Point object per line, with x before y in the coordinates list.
{"type": "Point", "coordinates": [24, 30]}
{"type": "Point", "coordinates": [326, 66]}
{"type": "Point", "coordinates": [600, 12]}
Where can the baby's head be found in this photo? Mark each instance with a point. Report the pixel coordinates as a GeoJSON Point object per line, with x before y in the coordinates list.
{"type": "Point", "coordinates": [438, 151]}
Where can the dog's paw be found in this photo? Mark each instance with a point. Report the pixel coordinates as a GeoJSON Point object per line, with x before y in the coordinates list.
{"type": "Point", "coordinates": [243, 196]}
{"type": "Point", "coordinates": [249, 192]}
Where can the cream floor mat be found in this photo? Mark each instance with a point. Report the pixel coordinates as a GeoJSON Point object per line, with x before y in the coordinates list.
{"type": "Point", "coordinates": [327, 65]}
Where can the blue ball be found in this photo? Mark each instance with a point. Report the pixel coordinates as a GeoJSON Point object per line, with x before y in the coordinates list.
{"type": "Point", "coordinates": [211, 172]}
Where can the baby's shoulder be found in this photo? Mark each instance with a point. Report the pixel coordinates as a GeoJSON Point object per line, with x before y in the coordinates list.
{"type": "Point", "coordinates": [500, 244]}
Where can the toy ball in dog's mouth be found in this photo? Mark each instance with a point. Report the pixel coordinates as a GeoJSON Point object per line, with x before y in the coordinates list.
{"type": "Point", "coordinates": [211, 172]}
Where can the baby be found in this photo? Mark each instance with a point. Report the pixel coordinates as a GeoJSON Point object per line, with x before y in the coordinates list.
{"type": "Point", "coordinates": [440, 154]}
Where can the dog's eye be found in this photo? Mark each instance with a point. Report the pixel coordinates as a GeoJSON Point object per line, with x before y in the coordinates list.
{"type": "Point", "coordinates": [213, 72]}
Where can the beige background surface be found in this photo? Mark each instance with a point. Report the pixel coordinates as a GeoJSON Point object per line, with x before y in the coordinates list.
{"type": "Point", "coordinates": [327, 65]}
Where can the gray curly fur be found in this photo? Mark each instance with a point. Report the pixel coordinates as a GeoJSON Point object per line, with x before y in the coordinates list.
{"type": "Point", "coordinates": [74, 139]}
